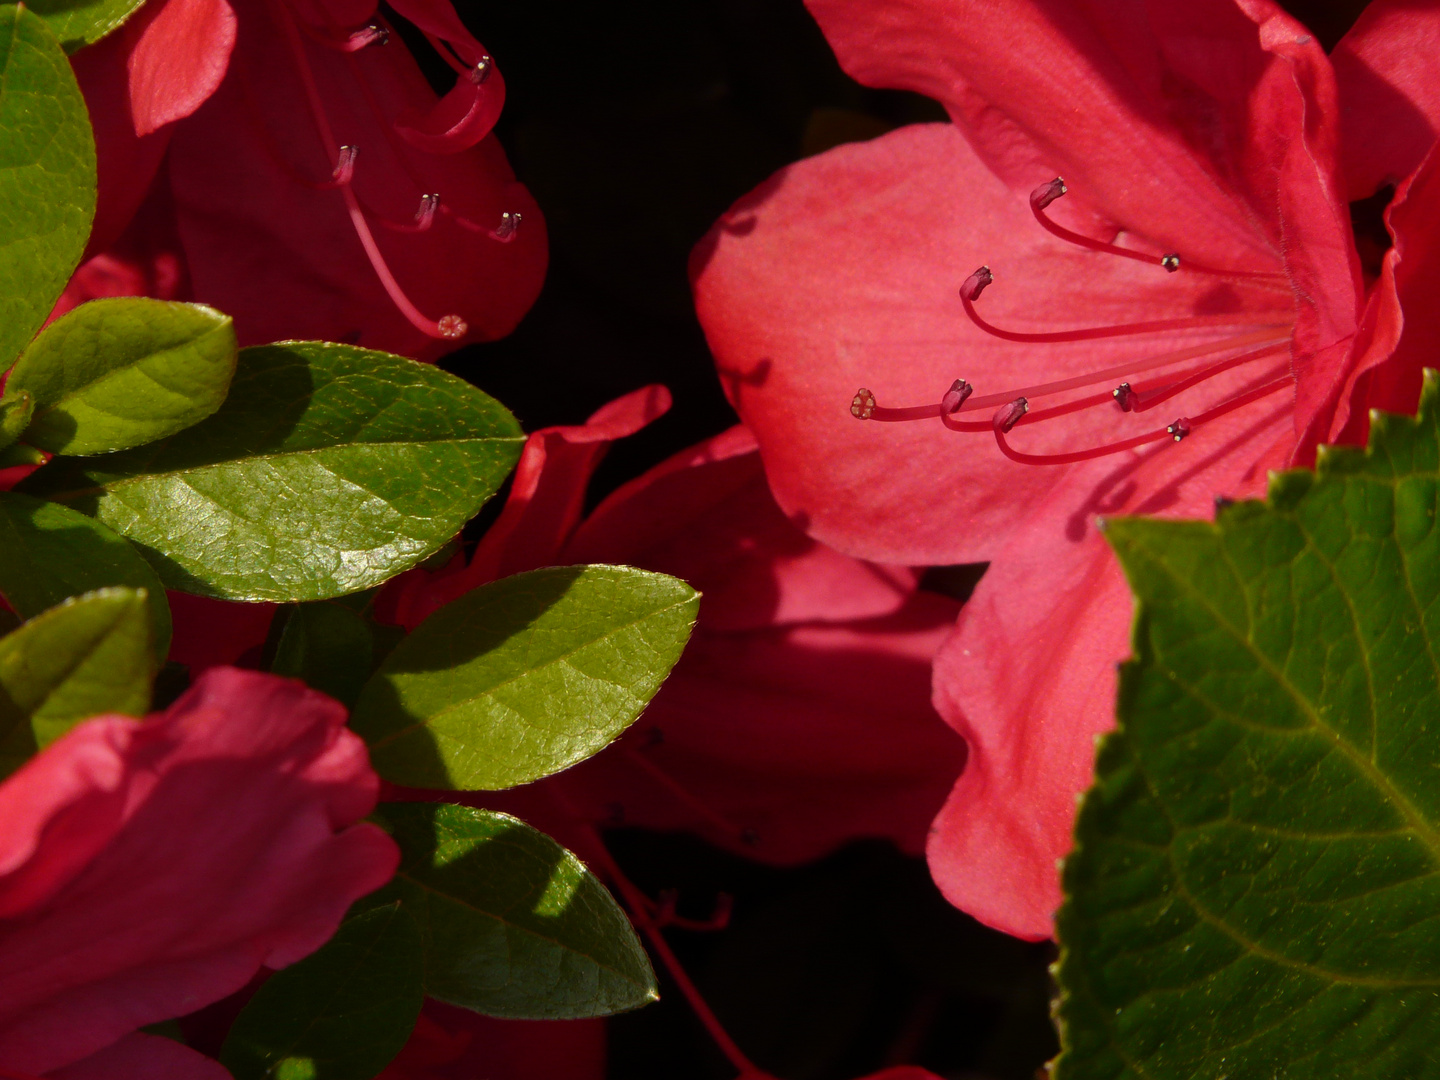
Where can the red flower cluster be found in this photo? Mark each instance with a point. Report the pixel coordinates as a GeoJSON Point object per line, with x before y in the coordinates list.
{"type": "Point", "coordinates": [1208, 151]}
{"type": "Point", "coordinates": [309, 159]}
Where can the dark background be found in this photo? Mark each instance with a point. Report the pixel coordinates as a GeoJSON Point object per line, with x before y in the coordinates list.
{"type": "Point", "coordinates": [636, 123]}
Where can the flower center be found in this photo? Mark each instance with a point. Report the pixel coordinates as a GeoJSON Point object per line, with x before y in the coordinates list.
{"type": "Point", "coordinates": [1239, 339]}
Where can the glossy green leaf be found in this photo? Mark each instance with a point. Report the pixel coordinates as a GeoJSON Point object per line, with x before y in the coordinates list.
{"type": "Point", "coordinates": [90, 655]}
{"type": "Point", "coordinates": [328, 470]}
{"type": "Point", "coordinates": [514, 925]}
{"type": "Point", "coordinates": [1255, 890]}
{"type": "Point", "coordinates": [77, 23]}
{"type": "Point", "coordinates": [329, 647]}
{"type": "Point", "coordinates": [47, 176]}
{"type": "Point", "coordinates": [342, 1013]}
{"type": "Point", "coordinates": [523, 677]}
{"type": "Point", "coordinates": [49, 552]}
{"type": "Point", "coordinates": [15, 413]}
{"type": "Point", "coordinates": [123, 372]}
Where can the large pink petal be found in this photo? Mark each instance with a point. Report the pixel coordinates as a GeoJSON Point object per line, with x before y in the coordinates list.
{"type": "Point", "coordinates": [842, 272]}
{"type": "Point", "coordinates": [180, 52]}
{"type": "Point", "coordinates": [150, 868]}
{"type": "Point", "coordinates": [1028, 676]}
{"type": "Point", "coordinates": [143, 1057]}
{"type": "Point", "coordinates": [245, 172]}
{"type": "Point", "coordinates": [1389, 92]}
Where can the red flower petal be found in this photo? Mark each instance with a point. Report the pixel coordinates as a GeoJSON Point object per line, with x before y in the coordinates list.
{"type": "Point", "coordinates": [149, 868]}
{"type": "Point", "coordinates": [143, 1057]}
{"type": "Point", "coordinates": [179, 54]}
{"type": "Point", "coordinates": [1389, 92]}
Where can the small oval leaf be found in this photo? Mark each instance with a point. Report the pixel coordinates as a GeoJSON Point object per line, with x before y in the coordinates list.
{"type": "Point", "coordinates": [79, 24]}
{"type": "Point", "coordinates": [124, 371]}
{"type": "Point", "coordinates": [513, 924]}
{"type": "Point", "coordinates": [328, 469]}
{"type": "Point", "coordinates": [47, 175]}
{"type": "Point", "coordinates": [49, 553]}
{"type": "Point", "coordinates": [343, 1012]}
{"type": "Point", "coordinates": [524, 677]}
{"type": "Point", "coordinates": [88, 656]}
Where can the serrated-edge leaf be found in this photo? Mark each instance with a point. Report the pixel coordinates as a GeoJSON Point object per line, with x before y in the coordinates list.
{"type": "Point", "coordinates": [1255, 885]}
{"type": "Point", "coordinates": [525, 676]}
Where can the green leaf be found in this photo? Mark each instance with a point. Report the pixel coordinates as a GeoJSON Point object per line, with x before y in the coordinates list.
{"type": "Point", "coordinates": [524, 677]}
{"type": "Point", "coordinates": [329, 469]}
{"type": "Point", "coordinates": [1255, 889]}
{"type": "Point", "coordinates": [49, 553]}
{"type": "Point", "coordinates": [47, 176]}
{"type": "Point", "coordinates": [123, 372]}
{"type": "Point", "coordinates": [342, 1013]}
{"type": "Point", "coordinates": [15, 413]}
{"type": "Point", "coordinates": [91, 655]}
{"type": "Point", "coordinates": [77, 23]}
{"type": "Point", "coordinates": [514, 925]}
{"type": "Point", "coordinates": [328, 646]}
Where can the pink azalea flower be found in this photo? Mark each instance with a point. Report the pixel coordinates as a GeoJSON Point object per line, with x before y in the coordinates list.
{"type": "Point", "coordinates": [1200, 264]}
{"type": "Point", "coordinates": [799, 716]}
{"type": "Point", "coordinates": [148, 868]}
{"type": "Point", "coordinates": [320, 188]}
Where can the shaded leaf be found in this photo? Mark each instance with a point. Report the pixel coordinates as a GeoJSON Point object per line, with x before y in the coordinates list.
{"type": "Point", "coordinates": [124, 371]}
{"type": "Point", "coordinates": [49, 553]}
{"type": "Point", "coordinates": [88, 656]}
{"type": "Point", "coordinates": [328, 469]}
{"type": "Point", "coordinates": [47, 175]}
{"type": "Point", "coordinates": [524, 677]}
{"type": "Point", "coordinates": [77, 23]}
{"type": "Point", "coordinates": [329, 647]}
{"type": "Point", "coordinates": [342, 1013]}
{"type": "Point", "coordinates": [514, 925]}
{"type": "Point", "coordinates": [15, 413]}
{"type": "Point", "coordinates": [1255, 889]}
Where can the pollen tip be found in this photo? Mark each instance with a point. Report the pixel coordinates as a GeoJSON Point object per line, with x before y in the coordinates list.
{"type": "Point", "coordinates": [1179, 429]}
{"type": "Point", "coordinates": [425, 215]}
{"type": "Point", "coordinates": [1007, 416]}
{"type": "Point", "coordinates": [955, 396]}
{"type": "Point", "coordinates": [345, 164]}
{"type": "Point", "coordinates": [452, 327]}
{"type": "Point", "coordinates": [975, 284]}
{"type": "Point", "coordinates": [862, 405]}
{"type": "Point", "coordinates": [508, 227]}
{"type": "Point", "coordinates": [1047, 193]}
{"type": "Point", "coordinates": [1170, 262]}
{"type": "Point", "coordinates": [1123, 396]}
{"type": "Point", "coordinates": [482, 69]}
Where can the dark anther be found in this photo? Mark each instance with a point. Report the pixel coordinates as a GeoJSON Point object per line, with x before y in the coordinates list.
{"type": "Point", "coordinates": [1123, 396]}
{"type": "Point", "coordinates": [1045, 194]}
{"type": "Point", "coordinates": [975, 284]}
{"type": "Point", "coordinates": [862, 405]}
{"type": "Point", "coordinates": [1170, 262]}
{"type": "Point", "coordinates": [481, 71]}
{"type": "Point", "coordinates": [955, 396]}
{"type": "Point", "coordinates": [1007, 416]}
{"type": "Point", "coordinates": [1223, 502]}
{"type": "Point", "coordinates": [1179, 429]}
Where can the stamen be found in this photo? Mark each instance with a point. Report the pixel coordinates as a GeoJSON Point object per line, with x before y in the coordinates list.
{"type": "Point", "coordinates": [345, 166]}
{"type": "Point", "coordinates": [339, 41]}
{"type": "Point", "coordinates": [481, 71]}
{"type": "Point", "coordinates": [449, 327]}
{"type": "Point", "coordinates": [1123, 395]}
{"type": "Point", "coordinates": [954, 397]}
{"type": "Point", "coordinates": [509, 225]}
{"type": "Point", "coordinates": [1047, 193]}
{"type": "Point", "coordinates": [425, 216]}
{"type": "Point", "coordinates": [1177, 431]}
{"type": "Point", "coordinates": [1007, 416]}
{"type": "Point", "coordinates": [976, 283]}
{"type": "Point", "coordinates": [1134, 402]}
{"type": "Point", "coordinates": [862, 405]}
